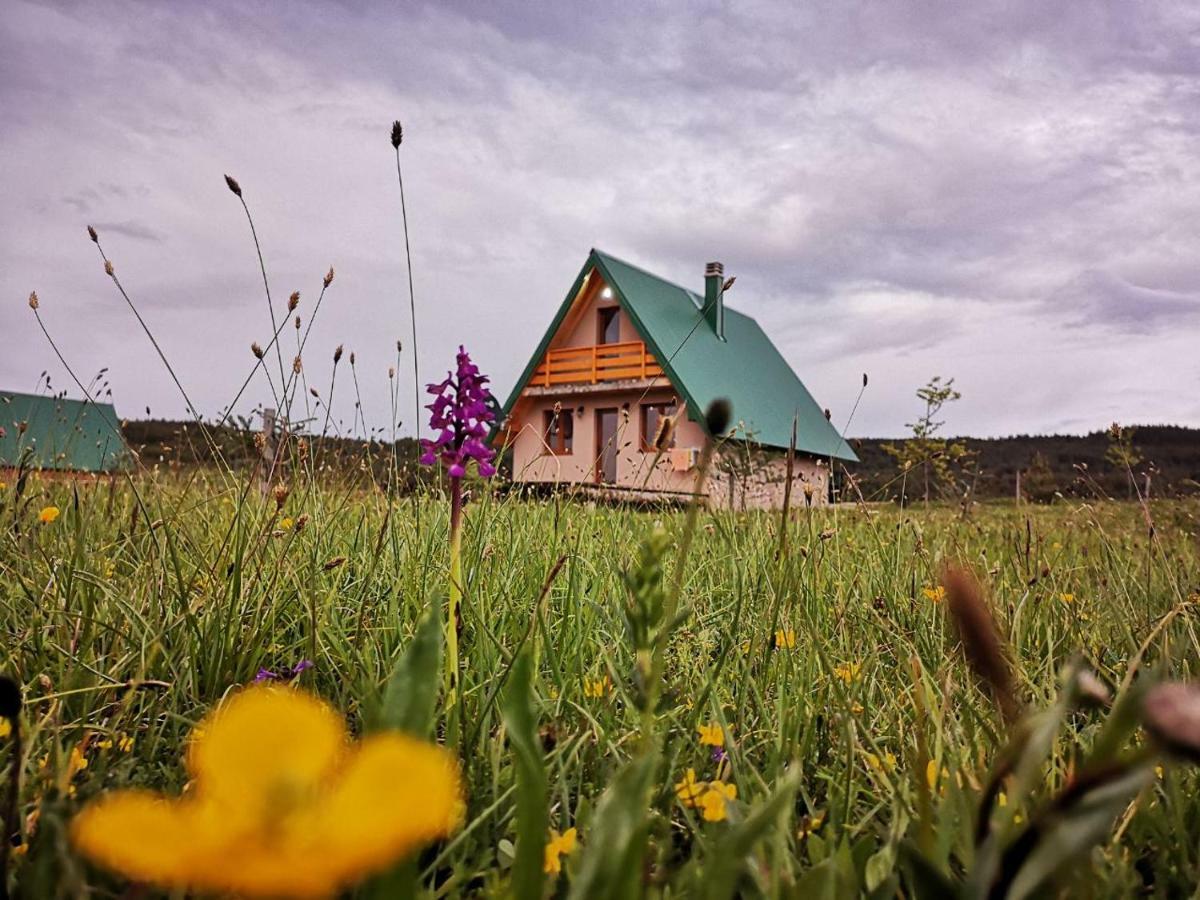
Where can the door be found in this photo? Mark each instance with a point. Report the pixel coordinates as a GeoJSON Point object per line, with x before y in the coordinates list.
{"type": "Point", "coordinates": [606, 446]}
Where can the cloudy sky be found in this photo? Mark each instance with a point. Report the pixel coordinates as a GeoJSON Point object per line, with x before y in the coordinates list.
{"type": "Point", "coordinates": [1005, 193]}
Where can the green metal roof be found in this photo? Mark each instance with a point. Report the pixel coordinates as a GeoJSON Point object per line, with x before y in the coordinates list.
{"type": "Point", "coordinates": [745, 367]}
{"type": "Point", "coordinates": [76, 435]}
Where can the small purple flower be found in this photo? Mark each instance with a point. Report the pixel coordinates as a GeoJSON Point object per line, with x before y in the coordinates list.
{"type": "Point", "coordinates": [719, 755]}
{"type": "Point", "coordinates": [267, 675]}
{"type": "Point", "coordinates": [461, 414]}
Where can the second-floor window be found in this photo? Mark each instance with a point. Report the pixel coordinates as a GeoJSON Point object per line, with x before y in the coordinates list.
{"type": "Point", "coordinates": [559, 431]}
{"type": "Point", "coordinates": [609, 325]}
{"type": "Point", "coordinates": [654, 416]}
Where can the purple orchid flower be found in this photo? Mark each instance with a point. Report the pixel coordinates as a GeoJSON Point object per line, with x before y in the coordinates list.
{"type": "Point", "coordinates": [461, 413]}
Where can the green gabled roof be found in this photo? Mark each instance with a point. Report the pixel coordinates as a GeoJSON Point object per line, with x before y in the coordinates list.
{"type": "Point", "coordinates": [58, 433]}
{"type": "Point", "coordinates": [745, 367]}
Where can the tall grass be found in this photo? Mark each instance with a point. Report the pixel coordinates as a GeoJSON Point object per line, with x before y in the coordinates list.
{"type": "Point", "coordinates": [148, 601]}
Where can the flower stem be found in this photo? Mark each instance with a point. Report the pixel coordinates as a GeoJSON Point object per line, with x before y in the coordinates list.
{"type": "Point", "coordinates": [455, 598]}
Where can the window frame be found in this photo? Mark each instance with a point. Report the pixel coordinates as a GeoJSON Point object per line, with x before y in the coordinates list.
{"type": "Point", "coordinates": [562, 444]}
{"type": "Point", "coordinates": [647, 434]}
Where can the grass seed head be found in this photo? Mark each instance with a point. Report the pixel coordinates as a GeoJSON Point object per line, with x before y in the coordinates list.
{"type": "Point", "coordinates": [256, 350]}
{"type": "Point", "coordinates": [981, 642]}
{"type": "Point", "coordinates": [329, 277]}
{"type": "Point", "coordinates": [108, 267]}
{"type": "Point", "coordinates": [397, 134]}
{"type": "Point", "coordinates": [233, 185]}
{"type": "Point", "coordinates": [296, 365]}
{"type": "Point", "coordinates": [92, 234]}
{"type": "Point", "coordinates": [33, 300]}
{"type": "Point", "coordinates": [1171, 713]}
{"type": "Point", "coordinates": [293, 301]}
{"type": "Point", "coordinates": [665, 435]}
{"type": "Point", "coordinates": [337, 354]}
{"type": "Point", "coordinates": [717, 416]}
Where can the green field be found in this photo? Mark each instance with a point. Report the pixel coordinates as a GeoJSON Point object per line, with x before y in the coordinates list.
{"type": "Point", "coordinates": [831, 666]}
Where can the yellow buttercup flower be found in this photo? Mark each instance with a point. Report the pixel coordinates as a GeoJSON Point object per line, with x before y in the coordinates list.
{"type": "Point", "coordinates": [1067, 598]}
{"type": "Point", "coordinates": [934, 594]}
{"type": "Point", "coordinates": [689, 790]}
{"type": "Point", "coordinates": [597, 688]}
{"type": "Point", "coordinates": [848, 672]}
{"type": "Point", "coordinates": [281, 804]}
{"type": "Point", "coordinates": [785, 638]}
{"type": "Point", "coordinates": [5, 728]}
{"type": "Point", "coordinates": [286, 523]}
{"type": "Point", "coordinates": [716, 798]}
{"type": "Point", "coordinates": [885, 763]}
{"type": "Point", "coordinates": [48, 514]}
{"type": "Point", "coordinates": [809, 825]}
{"type": "Point", "coordinates": [557, 847]}
{"type": "Point", "coordinates": [712, 735]}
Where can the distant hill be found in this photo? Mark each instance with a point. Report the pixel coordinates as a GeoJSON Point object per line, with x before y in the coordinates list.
{"type": "Point", "coordinates": [1069, 464]}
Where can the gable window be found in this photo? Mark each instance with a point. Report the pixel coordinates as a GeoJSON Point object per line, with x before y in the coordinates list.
{"type": "Point", "coordinates": [558, 430]}
{"type": "Point", "coordinates": [654, 416]}
{"type": "Point", "coordinates": [609, 325]}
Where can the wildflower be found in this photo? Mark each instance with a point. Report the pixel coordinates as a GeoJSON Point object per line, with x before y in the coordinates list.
{"type": "Point", "coordinates": [281, 804]}
{"type": "Point", "coordinates": [48, 514]}
{"type": "Point", "coordinates": [1067, 598]}
{"type": "Point", "coordinates": [558, 846]}
{"type": "Point", "coordinates": [1002, 799]}
{"type": "Point", "coordinates": [597, 688]}
{"type": "Point", "coordinates": [934, 594]}
{"type": "Point", "coordinates": [285, 524]}
{"type": "Point", "coordinates": [712, 735]}
{"type": "Point", "coordinates": [848, 672]}
{"type": "Point", "coordinates": [885, 763]}
{"type": "Point", "coordinates": [715, 800]}
{"type": "Point", "coordinates": [689, 790]}
{"type": "Point", "coordinates": [932, 777]}
{"type": "Point", "coordinates": [719, 755]}
{"type": "Point", "coordinates": [856, 709]}
{"type": "Point", "coordinates": [785, 638]}
{"type": "Point", "coordinates": [5, 728]}
{"type": "Point", "coordinates": [462, 411]}
{"type": "Point", "coordinates": [810, 825]}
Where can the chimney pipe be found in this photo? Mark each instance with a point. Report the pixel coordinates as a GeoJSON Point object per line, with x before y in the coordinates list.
{"type": "Point", "coordinates": [714, 300]}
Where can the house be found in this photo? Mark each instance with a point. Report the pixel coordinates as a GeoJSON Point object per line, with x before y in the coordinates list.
{"type": "Point", "coordinates": [56, 434]}
{"type": "Point", "coordinates": [628, 351]}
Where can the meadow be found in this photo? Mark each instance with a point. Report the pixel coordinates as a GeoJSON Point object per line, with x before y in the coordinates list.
{"type": "Point", "coordinates": [814, 675]}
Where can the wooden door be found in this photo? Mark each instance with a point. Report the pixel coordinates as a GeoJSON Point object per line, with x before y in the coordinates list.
{"type": "Point", "coordinates": [606, 446]}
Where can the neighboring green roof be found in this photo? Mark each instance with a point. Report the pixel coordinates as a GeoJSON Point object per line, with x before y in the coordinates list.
{"type": "Point", "coordinates": [745, 367]}
{"type": "Point", "coordinates": [76, 435]}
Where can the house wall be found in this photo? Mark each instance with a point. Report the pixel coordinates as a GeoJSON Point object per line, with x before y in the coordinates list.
{"type": "Point", "coordinates": [532, 460]}
{"type": "Point", "coordinates": [740, 478]}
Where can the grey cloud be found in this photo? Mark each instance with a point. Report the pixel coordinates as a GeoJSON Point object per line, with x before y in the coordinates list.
{"type": "Point", "coordinates": [1102, 298]}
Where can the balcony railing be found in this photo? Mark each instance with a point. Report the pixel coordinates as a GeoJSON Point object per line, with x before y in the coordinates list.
{"type": "Point", "coordinates": [592, 365]}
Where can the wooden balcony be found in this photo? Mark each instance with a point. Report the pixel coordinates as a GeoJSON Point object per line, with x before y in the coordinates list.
{"type": "Point", "coordinates": [595, 365]}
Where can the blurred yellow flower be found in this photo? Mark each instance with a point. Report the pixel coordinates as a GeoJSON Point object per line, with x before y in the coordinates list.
{"type": "Point", "coordinates": [557, 847]}
{"type": "Point", "coordinates": [712, 735]}
{"type": "Point", "coordinates": [856, 709]}
{"type": "Point", "coordinates": [848, 672]}
{"type": "Point", "coordinates": [286, 523]}
{"type": "Point", "coordinates": [597, 688]}
{"type": "Point", "coordinates": [931, 775]}
{"type": "Point", "coordinates": [785, 638]}
{"type": "Point", "coordinates": [1067, 598]}
{"type": "Point", "coordinates": [934, 594]}
{"type": "Point", "coordinates": [886, 763]}
{"type": "Point", "coordinates": [280, 804]}
{"type": "Point", "coordinates": [5, 728]}
{"type": "Point", "coordinates": [713, 803]}
{"type": "Point", "coordinates": [810, 825]}
{"type": "Point", "coordinates": [689, 790]}
{"type": "Point", "coordinates": [48, 514]}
